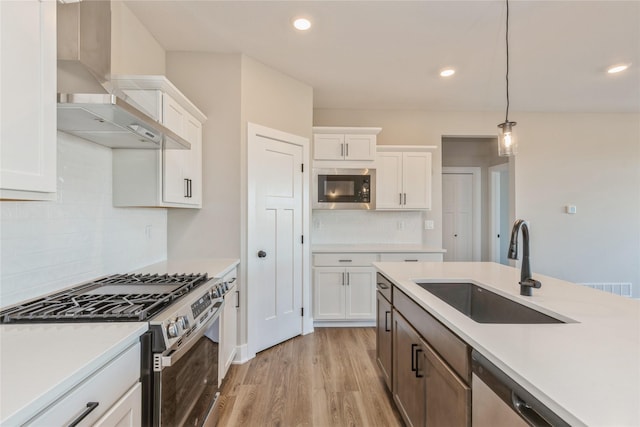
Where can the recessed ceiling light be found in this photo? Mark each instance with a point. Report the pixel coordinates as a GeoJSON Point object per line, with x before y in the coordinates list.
{"type": "Point", "coordinates": [447, 72]}
{"type": "Point", "coordinates": [302, 24]}
{"type": "Point", "coordinates": [617, 68]}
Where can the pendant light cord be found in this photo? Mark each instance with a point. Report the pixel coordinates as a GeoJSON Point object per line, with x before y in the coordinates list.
{"type": "Point", "coordinates": [506, 119]}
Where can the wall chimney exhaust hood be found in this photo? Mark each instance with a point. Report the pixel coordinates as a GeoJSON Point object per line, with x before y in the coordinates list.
{"type": "Point", "coordinates": [89, 106]}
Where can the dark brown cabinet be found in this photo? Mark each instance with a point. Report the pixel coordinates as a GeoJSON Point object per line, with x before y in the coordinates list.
{"type": "Point", "coordinates": [408, 383]}
{"type": "Point", "coordinates": [431, 369]}
{"type": "Point", "coordinates": [383, 337]}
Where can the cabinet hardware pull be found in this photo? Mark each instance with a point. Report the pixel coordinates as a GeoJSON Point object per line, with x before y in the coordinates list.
{"type": "Point", "coordinates": [347, 153]}
{"type": "Point", "coordinates": [418, 374]}
{"type": "Point", "coordinates": [410, 260]}
{"type": "Point", "coordinates": [386, 321]}
{"type": "Point", "coordinates": [383, 285]}
{"type": "Point", "coordinates": [413, 358]}
{"type": "Point", "coordinates": [237, 299]}
{"type": "Point", "coordinates": [345, 260]}
{"type": "Point", "coordinates": [343, 280]}
{"type": "Point", "coordinates": [190, 188]}
{"type": "Point", "coordinates": [186, 187]}
{"type": "Point", "coordinates": [90, 407]}
{"type": "Point", "coordinates": [341, 150]}
{"type": "Point", "coordinates": [400, 198]}
{"type": "Point", "coordinates": [348, 278]}
{"type": "Point", "coordinates": [405, 198]}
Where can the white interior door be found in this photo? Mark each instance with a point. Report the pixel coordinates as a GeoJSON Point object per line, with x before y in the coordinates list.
{"type": "Point", "coordinates": [457, 216]}
{"type": "Point", "coordinates": [275, 251]}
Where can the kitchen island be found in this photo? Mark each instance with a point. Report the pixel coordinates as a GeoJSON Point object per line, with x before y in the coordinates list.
{"type": "Point", "coordinates": [586, 370]}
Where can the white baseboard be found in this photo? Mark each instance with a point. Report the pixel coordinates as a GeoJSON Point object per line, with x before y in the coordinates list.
{"type": "Point", "coordinates": [344, 323]}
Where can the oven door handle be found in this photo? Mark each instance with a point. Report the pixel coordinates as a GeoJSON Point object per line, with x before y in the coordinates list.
{"type": "Point", "coordinates": [175, 355]}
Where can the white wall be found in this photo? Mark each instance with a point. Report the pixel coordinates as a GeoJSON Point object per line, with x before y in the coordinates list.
{"type": "Point", "coordinates": [133, 48]}
{"type": "Point", "coordinates": [47, 246]}
{"type": "Point", "coordinates": [590, 160]}
{"type": "Point", "coordinates": [212, 83]}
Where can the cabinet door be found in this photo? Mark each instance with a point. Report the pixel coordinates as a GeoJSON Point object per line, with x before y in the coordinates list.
{"type": "Point", "coordinates": [360, 293]}
{"type": "Point", "coordinates": [448, 398]}
{"type": "Point", "coordinates": [359, 147]}
{"type": "Point", "coordinates": [28, 109]}
{"type": "Point", "coordinates": [127, 412]}
{"type": "Point", "coordinates": [174, 185]}
{"type": "Point", "coordinates": [329, 293]}
{"type": "Point", "coordinates": [408, 385]}
{"type": "Point", "coordinates": [416, 180]}
{"type": "Point", "coordinates": [192, 167]}
{"type": "Point", "coordinates": [389, 180]}
{"type": "Point", "coordinates": [328, 146]}
{"type": "Point", "coordinates": [383, 337]}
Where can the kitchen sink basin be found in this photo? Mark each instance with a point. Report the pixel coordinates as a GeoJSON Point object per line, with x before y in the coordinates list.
{"type": "Point", "coordinates": [484, 306]}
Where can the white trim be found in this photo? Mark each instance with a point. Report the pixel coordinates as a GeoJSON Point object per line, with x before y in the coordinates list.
{"type": "Point", "coordinates": [494, 210]}
{"type": "Point", "coordinates": [347, 130]}
{"type": "Point", "coordinates": [476, 173]}
{"type": "Point", "coordinates": [344, 323]}
{"type": "Point", "coordinates": [384, 148]}
{"type": "Point", "coordinates": [248, 350]}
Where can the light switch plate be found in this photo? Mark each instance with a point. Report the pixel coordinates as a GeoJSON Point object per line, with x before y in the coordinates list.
{"type": "Point", "coordinates": [428, 224]}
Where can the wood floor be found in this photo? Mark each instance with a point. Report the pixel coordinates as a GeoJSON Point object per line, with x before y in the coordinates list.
{"type": "Point", "coordinates": [324, 379]}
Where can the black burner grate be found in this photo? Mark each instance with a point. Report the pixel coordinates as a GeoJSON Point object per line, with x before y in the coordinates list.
{"type": "Point", "coordinates": [110, 299]}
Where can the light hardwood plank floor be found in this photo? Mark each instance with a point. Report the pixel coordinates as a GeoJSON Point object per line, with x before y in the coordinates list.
{"type": "Point", "coordinates": [324, 379]}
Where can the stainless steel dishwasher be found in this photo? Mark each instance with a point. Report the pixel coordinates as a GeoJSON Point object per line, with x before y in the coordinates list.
{"type": "Point", "coordinates": [498, 401]}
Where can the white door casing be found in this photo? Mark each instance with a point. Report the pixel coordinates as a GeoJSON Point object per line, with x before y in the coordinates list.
{"type": "Point", "coordinates": [275, 225]}
{"type": "Point", "coordinates": [499, 219]}
{"type": "Point", "coordinates": [461, 229]}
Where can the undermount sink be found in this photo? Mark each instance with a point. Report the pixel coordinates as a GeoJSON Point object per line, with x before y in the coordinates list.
{"type": "Point", "coordinates": [484, 306]}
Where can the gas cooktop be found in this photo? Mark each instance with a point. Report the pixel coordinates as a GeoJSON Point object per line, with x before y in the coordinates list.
{"type": "Point", "coordinates": [116, 298]}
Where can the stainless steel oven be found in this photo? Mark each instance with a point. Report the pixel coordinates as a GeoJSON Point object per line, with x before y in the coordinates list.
{"type": "Point", "coordinates": [344, 189]}
{"type": "Point", "coordinates": [182, 379]}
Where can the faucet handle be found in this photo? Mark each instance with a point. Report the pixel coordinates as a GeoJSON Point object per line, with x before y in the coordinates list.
{"type": "Point", "coordinates": [527, 285]}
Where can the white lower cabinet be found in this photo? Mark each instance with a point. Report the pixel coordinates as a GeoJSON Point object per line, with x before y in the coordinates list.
{"type": "Point", "coordinates": [344, 293]}
{"type": "Point", "coordinates": [127, 412]}
{"type": "Point", "coordinates": [111, 396]}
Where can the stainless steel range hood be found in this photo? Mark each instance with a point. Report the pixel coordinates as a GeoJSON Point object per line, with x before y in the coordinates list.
{"type": "Point", "coordinates": [89, 106]}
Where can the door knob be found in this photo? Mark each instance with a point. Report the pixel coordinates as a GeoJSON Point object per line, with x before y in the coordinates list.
{"type": "Point", "coordinates": [262, 254]}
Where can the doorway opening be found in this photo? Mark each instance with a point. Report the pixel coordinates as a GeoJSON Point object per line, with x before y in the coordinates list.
{"type": "Point", "coordinates": [477, 199]}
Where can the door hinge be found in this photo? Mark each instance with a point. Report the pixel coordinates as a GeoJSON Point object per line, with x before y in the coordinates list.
{"type": "Point", "coordinates": [302, 239]}
{"type": "Point", "coordinates": [302, 311]}
{"type": "Point", "coordinates": [301, 167]}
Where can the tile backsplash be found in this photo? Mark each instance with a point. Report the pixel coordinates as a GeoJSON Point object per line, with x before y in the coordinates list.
{"type": "Point", "coordinates": [366, 227]}
{"type": "Point", "coordinates": [46, 246]}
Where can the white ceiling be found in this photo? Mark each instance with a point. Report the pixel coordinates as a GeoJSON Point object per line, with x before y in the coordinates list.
{"type": "Point", "coordinates": [387, 54]}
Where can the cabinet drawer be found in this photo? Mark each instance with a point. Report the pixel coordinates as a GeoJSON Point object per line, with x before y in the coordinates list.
{"type": "Point", "coordinates": [106, 387]}
{"type": "Point", "coordinates": [384, 286]}
{"type": "Point", "coordinates": [344, 259]}
{"type": "Point", "coordinates": [451, 348]}
{"type": "Point", "coordinates": [410, 256]}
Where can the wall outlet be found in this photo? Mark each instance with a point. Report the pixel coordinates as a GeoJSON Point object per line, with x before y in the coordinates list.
{"type": "Point", "coordinates": [400, 225]}
{"type": "Point", "coordinates": [147, 232]}
{"type": "Point", "coordinates": [428, 224]}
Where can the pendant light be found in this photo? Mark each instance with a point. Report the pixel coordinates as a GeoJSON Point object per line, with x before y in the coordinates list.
{"type": "Point", "coordinates": [507, 142]}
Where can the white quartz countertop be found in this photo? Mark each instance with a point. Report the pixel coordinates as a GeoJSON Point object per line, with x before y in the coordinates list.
{"type": "Point", "coordinates": [214, 267]}
{"type": "Point", "coordinates": [376, 248]}
{"type": "Point", "coordinates": [587, 371]}
{"type": "Point", "coordinates": [40, 362]}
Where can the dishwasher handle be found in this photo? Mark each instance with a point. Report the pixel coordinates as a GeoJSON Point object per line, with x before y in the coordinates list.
{"type": "Point", "coordinates": [526, 411]}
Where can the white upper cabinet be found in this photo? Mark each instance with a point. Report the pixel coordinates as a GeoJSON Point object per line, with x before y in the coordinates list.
{"type": "Point", "coordinates": [344, 143]}
{"type": "Point", "coordinates": [403, 179]}
{"type": "Point", "coordinates": [162, 178]}
{"type": "Point", "coordinates": [28, 110]}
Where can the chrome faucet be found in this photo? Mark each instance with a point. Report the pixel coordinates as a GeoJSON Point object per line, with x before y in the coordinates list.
{"type": "Point", "coordinates": [527, 283]}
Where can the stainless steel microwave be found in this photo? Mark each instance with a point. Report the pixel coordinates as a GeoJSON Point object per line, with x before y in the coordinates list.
{"type": "Point", "coordinates": [344, 189]}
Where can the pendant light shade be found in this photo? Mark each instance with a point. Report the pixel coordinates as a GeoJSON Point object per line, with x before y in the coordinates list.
{"type": "Point", "coordinates": [507, 141]}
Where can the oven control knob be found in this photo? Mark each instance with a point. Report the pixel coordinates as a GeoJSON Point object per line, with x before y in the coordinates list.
{"type": "Point", "coordinates": [183, 322]}
{"type": "Point", "coordinates": [173, 330]}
